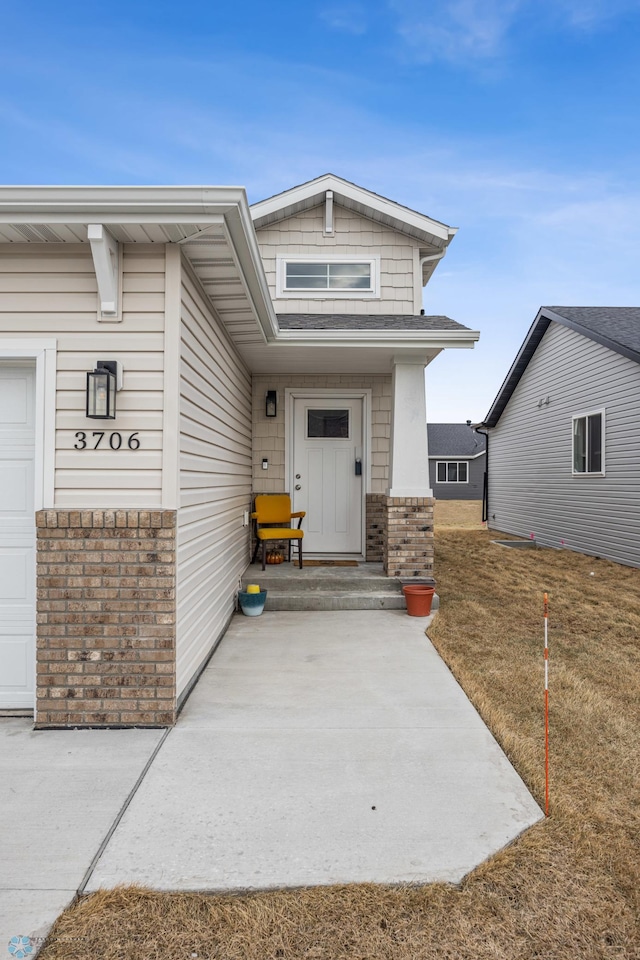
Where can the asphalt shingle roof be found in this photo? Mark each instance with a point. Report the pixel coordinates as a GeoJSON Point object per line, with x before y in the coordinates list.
{"type": "Point", "coordinates": [617, 328]}
{"type": "Point", "coordinates": [454, 440]}
{"type": "Point", "coordinates": [348, 321]}
{"type": "Point", "coordinates": [621, 325]}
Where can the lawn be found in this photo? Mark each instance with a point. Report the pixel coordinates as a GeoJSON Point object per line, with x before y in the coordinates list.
{"type": "Point", "coordinates": [458, 515]}
{"type": "Point", "coordinates": [569, 888]}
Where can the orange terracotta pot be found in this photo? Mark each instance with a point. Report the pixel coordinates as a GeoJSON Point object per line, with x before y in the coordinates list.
{"type": "Point", "coordinates": [418, 597]}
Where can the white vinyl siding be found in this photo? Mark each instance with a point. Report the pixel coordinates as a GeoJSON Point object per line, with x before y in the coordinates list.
{"type": "Point", "coordinates": [49, 290]}
{"type": "Point", "coordinates": [215, 479]}
{"type": "Point", "coordinates": [532, 487]}
{"type": "Point", "coordinates": [355, 239]}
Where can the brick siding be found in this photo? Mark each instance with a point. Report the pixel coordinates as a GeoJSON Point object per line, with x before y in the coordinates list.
{"type": "Point", "coordinates": [409, 537]}
{"type": "Point", "coordinates": [106, 614]}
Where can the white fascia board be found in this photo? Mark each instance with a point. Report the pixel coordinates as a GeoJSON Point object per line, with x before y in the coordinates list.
{"type": "Point", "coordinates": [364, 199]}
{"type": "Point", "coordinates": [403, 339]}
{"type": "Point", "coordinates": [242, 239]}
{"type": "Point", "coordinates": [189, 202]}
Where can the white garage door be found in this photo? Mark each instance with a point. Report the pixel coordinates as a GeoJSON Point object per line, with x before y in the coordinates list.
{"type": "Point", "coordinates": [17, 534]}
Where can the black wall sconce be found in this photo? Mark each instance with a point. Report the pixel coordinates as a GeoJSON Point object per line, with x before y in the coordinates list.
{"type": "Point", "coordinates": [102, 386]}
{"type": "Point", "coordinates": [271, 404]}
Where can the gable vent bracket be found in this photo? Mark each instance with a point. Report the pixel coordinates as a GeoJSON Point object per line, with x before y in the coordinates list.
{"type": "Point", "coordinates": [328, 212]}
{"type": "Point", "coordinates": [106, 261]}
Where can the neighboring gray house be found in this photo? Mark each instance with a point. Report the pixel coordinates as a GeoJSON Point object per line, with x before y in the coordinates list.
{"type": "Point", "coordinates": [564, 434]}
{"type": "Point", "coordinates": [457, 461]}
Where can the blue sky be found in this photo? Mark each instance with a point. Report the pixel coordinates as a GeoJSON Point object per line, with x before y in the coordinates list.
{"type": "Point", "coordinates": [515, 120]}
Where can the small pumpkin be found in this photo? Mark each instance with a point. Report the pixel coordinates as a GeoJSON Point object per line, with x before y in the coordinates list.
{"type": "Point", "coordinates": [274, 556]}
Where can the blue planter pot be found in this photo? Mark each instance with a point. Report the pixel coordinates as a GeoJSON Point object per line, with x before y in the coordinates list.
{"type": "Point", "coordinates": [252, 604]}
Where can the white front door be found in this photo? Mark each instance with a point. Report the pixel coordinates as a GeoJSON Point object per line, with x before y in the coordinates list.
{"type": "Point", "coordinates": [17, 534]}
{"type": "Point", "coordinates": [327, 480]}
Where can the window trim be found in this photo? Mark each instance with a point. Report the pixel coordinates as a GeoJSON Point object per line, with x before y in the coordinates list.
{"type": "Point", "coordinates": [582, 416]}
{"type": "Point", "coordinates": [446, 463]}
{"type": "Point", "coordinates": [314, 293]}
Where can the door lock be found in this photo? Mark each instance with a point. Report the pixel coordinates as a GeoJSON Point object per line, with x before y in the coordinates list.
{"type": "Point", "coordinates": [297, 476]}
{"type": "Point", "coordinates": [298, 486]}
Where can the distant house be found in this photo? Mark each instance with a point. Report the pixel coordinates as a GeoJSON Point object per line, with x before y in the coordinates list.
{"type": "Point", "coordinates": [457, 461]}
{"type": "Point", "coordinates": [564, 434]}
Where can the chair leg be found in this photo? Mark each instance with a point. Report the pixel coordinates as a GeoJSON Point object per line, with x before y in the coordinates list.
{"type": "Point", "coordinates": [264, 550]}
{"type": "Point", "coordinates": [300, 552]}
{"type": "Point", "coordinates": [255, 552]}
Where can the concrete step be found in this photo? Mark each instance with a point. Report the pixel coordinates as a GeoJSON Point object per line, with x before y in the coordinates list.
{"type": "Point", "coordinates": [333, 588]}
{"type": "Point", "coordinates": [332, 600]}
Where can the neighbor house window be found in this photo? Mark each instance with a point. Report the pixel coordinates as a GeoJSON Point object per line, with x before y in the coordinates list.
{"type": "Point", "coordinates": [588, 443]}
{"type": "Point", "coordinates": [337, 276]}
{"type": "Point", "coordinates": [452, 471]}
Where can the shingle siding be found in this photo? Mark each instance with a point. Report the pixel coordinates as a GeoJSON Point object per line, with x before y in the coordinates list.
{"type": "Point", "coordinates": [353, 235]}
{"type": "Point", "coordinates": [531, 486]}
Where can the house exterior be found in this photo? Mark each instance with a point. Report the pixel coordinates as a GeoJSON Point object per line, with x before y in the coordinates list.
{"type": "Point", "coordinates": [564, 434]}
{"type": "Point", "coordinates": [457, 461]}
{"type": "Point", "coordinates": [132, 533]}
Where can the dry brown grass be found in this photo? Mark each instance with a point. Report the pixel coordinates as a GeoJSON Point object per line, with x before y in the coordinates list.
{"type": "Point", "coordinates": [457, 515]}
{"type": "Point", "coordinates": [567, 889]}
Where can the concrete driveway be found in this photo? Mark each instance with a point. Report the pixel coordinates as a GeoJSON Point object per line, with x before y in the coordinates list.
{"type": "Point", "coordinates": [319, 748]}
{"type": "Point", "coordinates": [60, 793]}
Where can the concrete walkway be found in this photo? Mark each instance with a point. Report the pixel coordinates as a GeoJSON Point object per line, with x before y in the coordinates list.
{"type": "Point", "coordinates": [60, 793]}
{"type": "Point", "coordinates": [320, 748]}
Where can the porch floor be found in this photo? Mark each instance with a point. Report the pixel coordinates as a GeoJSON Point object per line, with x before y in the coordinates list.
{"type": "Point", "coordinates": [319, 748]}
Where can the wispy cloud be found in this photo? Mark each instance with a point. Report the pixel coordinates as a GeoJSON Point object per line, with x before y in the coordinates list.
{"type": "Point", "coordinates": [455, 30]}
{"type": "Point", "coordinates": [473, 31]}
{"type": "Point", "coordinates": [346, 17]}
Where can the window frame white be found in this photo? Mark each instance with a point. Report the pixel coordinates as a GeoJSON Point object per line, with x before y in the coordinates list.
{"type": "Point", "coordinates": [584, 416]}
{"type": "Point", "coordinates": [315, 293]}
{"type": "Point", "coordinates": [446, 464]}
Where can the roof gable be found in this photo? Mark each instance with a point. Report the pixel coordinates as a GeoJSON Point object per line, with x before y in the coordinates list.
{"type": "Point", "coordinates": [617, 328]}
{"type": "Point", "coordinates": [428, 232]}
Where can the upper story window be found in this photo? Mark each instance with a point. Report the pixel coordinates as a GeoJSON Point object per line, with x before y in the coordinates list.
{"type": "Point", "coordinates": [588, 443]}
{"type": "Point", "coordinates": [304, 276]}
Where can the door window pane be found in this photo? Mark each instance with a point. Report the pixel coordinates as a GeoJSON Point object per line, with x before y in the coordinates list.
{"type": "Point", "coordinates": [462, 472]}
{"type": "Point", "coordinates": [328, 424]}
{"type": "Point", "coordinates": [442, 473]}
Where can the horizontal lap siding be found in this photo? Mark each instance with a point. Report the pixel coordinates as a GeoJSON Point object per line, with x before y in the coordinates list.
{"type": "Point", "coordinates": [49, 290]}
{"type": "Point", "coordinates": [353, 236]}
{"type": "Point", "coordinates": [215, 479]}
{"type": "Point", "coordinates": [531, 487]}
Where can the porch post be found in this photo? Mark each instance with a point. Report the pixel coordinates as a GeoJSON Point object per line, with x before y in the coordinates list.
{"type": "Point", "coordinates": [409, 466]}
{"type": "Point", "coordinates": [409, 500]}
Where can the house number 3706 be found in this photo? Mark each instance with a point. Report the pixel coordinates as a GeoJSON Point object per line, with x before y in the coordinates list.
{"type": "Point", "coordinates": [116, 441]}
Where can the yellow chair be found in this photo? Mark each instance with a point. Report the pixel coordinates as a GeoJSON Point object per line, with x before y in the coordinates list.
{"type": "Point", "coordinates": [272, 512]}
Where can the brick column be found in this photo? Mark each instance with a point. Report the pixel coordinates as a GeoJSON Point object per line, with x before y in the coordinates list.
{"type": "Point", "coordinates": [409, 546]}
{"type": "Point", "coordinates": [106, 618]}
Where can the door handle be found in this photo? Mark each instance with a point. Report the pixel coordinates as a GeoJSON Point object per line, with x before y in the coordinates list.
{"type": "Point", "coordinates": [358, 467]}
{"type": "Point", "coordinates": [298, 487]}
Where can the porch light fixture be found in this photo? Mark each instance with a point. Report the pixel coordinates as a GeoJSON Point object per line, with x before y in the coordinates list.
{"type": "Point", "coordinates": [271, 405]}
{"type": "Point", "coordinates": [102, 386]}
